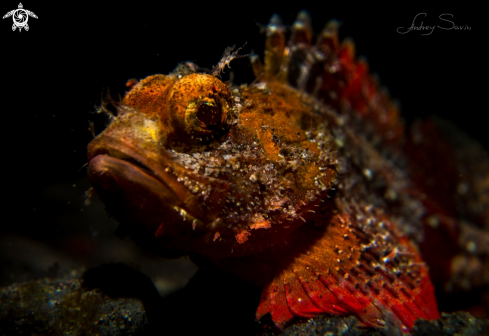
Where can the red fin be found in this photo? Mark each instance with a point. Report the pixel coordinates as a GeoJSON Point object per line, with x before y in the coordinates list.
{"type": "Point", "coordinates": [279, 308]}
{"type": "Point", "coordinates": [299, 302]}
{"type": "Point", "coordinates": [264, 306]}
{"type": "Point", "coordinates": [327, 271]}
{"type": "Point", "coordinates": [451, 172]}
{"type": "Point", "coordinates": [320, 294]}
{"type": "Point", "coordinates": [352, 301]}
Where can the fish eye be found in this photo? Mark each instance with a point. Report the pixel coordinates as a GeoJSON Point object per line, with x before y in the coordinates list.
{"type": "Point", "coordinates": [209, 113]}
{"type": "Point", "coordinates": [199, 105]}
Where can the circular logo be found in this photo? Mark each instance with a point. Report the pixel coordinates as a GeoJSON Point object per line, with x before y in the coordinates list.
{"type": "Point", "coordinates": [20, 17]}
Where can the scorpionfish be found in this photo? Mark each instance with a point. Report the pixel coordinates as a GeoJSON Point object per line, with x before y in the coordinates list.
{"type": "Point", "coordinates": [300, 182]}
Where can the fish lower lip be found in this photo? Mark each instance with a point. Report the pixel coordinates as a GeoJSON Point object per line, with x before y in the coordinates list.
{"type": "Point", "coordinates": [136, 190]}
{"type": "Point", "coordinates": [132, 195]}
{"type": "Point", "coordinates": [118, 149]}
{"type": "Point", "coordinates": [128, 168]}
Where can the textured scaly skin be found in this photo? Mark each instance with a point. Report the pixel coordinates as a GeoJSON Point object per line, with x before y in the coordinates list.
{"type": "Point", "coordinates": [297, 182]}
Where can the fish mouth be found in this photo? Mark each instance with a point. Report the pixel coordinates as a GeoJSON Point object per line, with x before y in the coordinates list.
{"type": "Point", "coordinates": [123, 154]}
{"type": "Point", "coordinates": [140, 188]}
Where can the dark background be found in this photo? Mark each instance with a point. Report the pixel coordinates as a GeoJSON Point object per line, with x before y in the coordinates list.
{"type": "Point", "coordinates": [53, 76]}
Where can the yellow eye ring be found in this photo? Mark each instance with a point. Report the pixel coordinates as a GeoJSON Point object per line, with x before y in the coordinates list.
{"type": "Point", "coordinates": [199, 105]}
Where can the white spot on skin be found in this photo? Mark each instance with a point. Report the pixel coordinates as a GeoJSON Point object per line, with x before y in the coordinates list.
{"type": "Point", "coordinates": [432, 221]}
{"type": "Point", "coordinates": [462, 188]}
{"type": "Point", "coordinates": [367, 173]}
{"type": "Point", "coordinates": [471, 247]}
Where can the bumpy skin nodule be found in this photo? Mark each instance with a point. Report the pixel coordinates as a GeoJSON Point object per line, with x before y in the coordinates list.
{"type": "Point", "coordinates": [297, 182]}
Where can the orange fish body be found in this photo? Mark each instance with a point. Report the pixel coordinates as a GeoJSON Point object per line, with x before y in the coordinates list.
{"type": "Point", "coordinates": [294, 182]}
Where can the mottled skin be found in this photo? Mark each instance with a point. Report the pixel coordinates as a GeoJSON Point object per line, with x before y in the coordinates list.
{"type": "Point", "coordinates": [296, 182]}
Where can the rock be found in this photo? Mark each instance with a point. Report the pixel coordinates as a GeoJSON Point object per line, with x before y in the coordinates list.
{"type": "Point", "coordinates": [57, 307]}
{"type": "Point", "coordinates": [115, 299]}
{"type": "Point", "coordinates": [459, 323]}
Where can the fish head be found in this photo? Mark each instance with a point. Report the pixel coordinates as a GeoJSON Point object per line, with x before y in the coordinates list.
{"type": "Point", "coordinates": [191, 164]}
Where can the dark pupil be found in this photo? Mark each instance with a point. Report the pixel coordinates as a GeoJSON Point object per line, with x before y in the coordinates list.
{"type": "Point", "coordinates": [210, 114]}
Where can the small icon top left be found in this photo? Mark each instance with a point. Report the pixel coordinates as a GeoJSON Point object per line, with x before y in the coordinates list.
{"type": "Point", "coordinates": [20, 17]}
